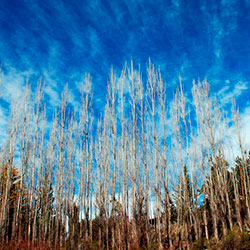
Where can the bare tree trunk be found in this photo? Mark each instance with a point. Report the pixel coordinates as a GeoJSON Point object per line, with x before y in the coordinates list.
{"type": "Point", "coordinates": [152, 89]}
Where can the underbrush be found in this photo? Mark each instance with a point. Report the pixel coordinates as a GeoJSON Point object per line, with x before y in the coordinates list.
{"type": "Point", "coordinates": [26, 245]}
{"type": "Point", "coordinates": [234, 240]}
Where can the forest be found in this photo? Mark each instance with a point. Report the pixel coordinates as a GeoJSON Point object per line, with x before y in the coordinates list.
{"type": "Point", "coordinates": [151, 169]}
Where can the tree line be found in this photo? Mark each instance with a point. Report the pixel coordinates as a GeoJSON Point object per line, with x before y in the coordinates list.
{"type": "Point", "coordinates": [150, 172]}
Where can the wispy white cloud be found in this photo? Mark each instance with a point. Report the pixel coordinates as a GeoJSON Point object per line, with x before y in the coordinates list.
{"type": "Point", "coordinates": [229, 92]}
{"type": "Point", "coordinates": [54, 99]}
{"type": "Point", "coordinates": [52, 89]}
{"type": "Point", "coordinates": [245, 128]}
{"type": "Point", "coordinates": [13, 84]}
{"type": "Point", "coordinates": [231, 133]}
{"type": "Point", "coordinates": [3, 125]}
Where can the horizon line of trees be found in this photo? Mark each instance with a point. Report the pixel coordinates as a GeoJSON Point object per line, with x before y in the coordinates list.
{"type": "Point", "coordinates": [151, 172]}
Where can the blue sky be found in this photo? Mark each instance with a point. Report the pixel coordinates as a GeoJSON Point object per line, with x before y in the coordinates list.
{"type": "Point", "coordinates": [61, 40]}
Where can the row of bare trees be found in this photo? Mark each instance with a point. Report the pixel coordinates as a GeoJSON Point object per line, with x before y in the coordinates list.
{"type": "Point", "coordinates": [149, 171]}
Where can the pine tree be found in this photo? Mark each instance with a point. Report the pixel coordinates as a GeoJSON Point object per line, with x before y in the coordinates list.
{"type": "Point", "coordinates": [12, 190]}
